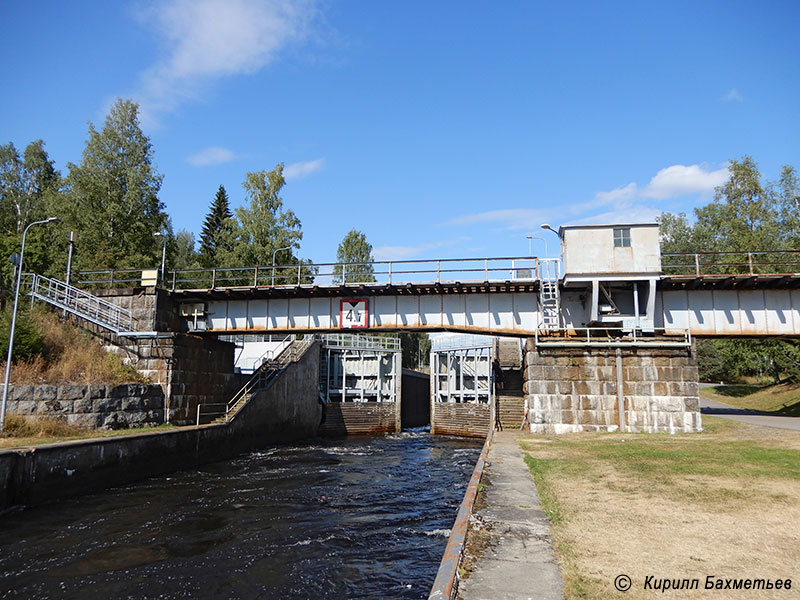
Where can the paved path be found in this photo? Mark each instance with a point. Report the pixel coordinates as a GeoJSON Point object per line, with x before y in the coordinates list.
{"type": "Point", "coordinates": [754, 417]}
{"type": "Point", "coordinates": [520, 563]}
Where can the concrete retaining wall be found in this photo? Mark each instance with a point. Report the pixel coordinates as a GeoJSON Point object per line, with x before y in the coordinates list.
{"type": "Point", "coordinates": [91, 405]}
{"type": "Point", "coordinates": [575, 389]}
{"type": "Point", "coordinates": [287, 411]}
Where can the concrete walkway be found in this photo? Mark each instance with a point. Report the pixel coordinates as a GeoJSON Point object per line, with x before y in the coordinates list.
{"type": "Point", "coordinates": [754, 417]}
{"type": "Point", "coordinates": [520, 562]}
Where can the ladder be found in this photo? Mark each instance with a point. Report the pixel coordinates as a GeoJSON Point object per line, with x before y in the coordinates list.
{"type": "Point", "coordinates": [549, 300]}
{"type": "Point", "coordinates": [84, 305]}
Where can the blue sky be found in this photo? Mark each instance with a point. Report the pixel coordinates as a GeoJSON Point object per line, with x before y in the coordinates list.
{"type": "Point", "coordinates": [439, 129]}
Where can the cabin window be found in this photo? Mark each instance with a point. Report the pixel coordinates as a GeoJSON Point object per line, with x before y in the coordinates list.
{"type": "Point", "coordinates": [622, 237]}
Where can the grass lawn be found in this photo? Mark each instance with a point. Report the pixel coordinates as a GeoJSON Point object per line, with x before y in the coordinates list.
{"type": "Point", "coordinates": [781, 399]}
{"type": "Point", "coordinates": [725, 503]}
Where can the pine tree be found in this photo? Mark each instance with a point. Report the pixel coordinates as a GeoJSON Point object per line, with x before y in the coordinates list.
{"type": "Point", "coordinates": [216, 221]}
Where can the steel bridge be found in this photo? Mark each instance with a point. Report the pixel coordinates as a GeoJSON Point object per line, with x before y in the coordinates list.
{"type": "Point", "coordinates": [702, 294]}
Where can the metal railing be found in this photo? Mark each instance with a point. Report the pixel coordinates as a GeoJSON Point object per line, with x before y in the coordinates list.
{"type": "Point", "coordinates": [82, 304]}
{"type": "Point", "coordinates": [444, 270]}
{"type": "Point", "coordinates": [579, 337]}
{"type": "Point", "coordinates": [361, 342]}
{"type": "Point", "coordinates": [698, 264]}
{"type": "Point", "coordinates": [261, 380]}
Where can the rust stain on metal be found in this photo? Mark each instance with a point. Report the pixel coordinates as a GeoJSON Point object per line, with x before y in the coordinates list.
{"type": "Point", "coordinates": [445, 584]}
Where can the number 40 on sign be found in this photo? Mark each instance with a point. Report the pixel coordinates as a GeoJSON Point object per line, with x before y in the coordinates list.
{"type": "Point", "coordinates": [353, 314]}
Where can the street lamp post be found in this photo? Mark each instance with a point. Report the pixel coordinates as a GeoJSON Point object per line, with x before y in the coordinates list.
{"type": "Point", "coordinates": [163, 255]}
{"type": "Point", "coordinates": [14, 320]}
{"type": "Point", "coordinates": [274, 252]}
{"type": "Point", "coordinates": [536, 237]}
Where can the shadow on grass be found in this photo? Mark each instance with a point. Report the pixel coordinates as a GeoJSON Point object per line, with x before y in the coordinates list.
{"type": "Point", "coordinates": [737, 391]}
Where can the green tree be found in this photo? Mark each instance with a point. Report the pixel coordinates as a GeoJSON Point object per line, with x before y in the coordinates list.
{"type": "Point", "coordinates": [25, 183]}
{"type": "Point", "coordinates": [355, 253]}
{"type": "Point", "coordinates": [113, 202]}
{"type": "Point", "coordinates": [264, 229]}
{"type": "Point", "coordinates": [180, 248]}
{"type": "Point", "coordinates": [213, 234]}
{"type": "Point", "coordinates": [416, 349]}
{"type": "Point", "coordinates": [747, 215]}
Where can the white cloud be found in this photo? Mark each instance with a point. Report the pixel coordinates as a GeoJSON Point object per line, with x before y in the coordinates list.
{"type": "Point", "coordinates": [214, 155]}
{"type": "Point", "coordinates": [733, 96]}
{"type": "Point", "coordinates": [620, 196]}
{"type": "Point", "coordinates": [299, 170]}
{"type": "Point", "coordinates": [210, 39]}
{"type": "Point", "coordinates": [680, 180]}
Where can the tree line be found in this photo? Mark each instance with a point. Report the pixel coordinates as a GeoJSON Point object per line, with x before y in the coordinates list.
{"type": "Point", "coordinates": [748, 214]}
{"type": "Point", "coordinates": [110, 201]}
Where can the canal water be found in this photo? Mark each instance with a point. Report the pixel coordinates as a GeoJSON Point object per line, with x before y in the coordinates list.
{"type": "Point", "coordinates": [364, 517]}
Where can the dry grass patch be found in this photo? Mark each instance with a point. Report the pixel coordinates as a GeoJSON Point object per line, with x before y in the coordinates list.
{"type": "Point", "coordinates": [21, 431]}
{"type": "Point", "coordinates": [71, 355]}
{"type": "Point", "coordinates": [721, 503]}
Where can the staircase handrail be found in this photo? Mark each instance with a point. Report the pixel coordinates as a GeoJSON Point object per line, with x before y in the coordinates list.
{"type": "Point", "coordinates": [81, 303]}
{"type": "Point", "coordinates": [268, 372]}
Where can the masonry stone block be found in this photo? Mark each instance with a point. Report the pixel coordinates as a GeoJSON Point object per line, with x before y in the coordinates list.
{"type": "Point", "coordinates": [44, 393]}
{"type": "Point", "coordinates": [660, 388]}
{"type": "Point", "coordinates": [106, 405]}
{"type": "Point", "coordinates": [71, 392]}
{"type": "Point", "coordinates": [83, 406]}
{"type": "Point", "coordinates": [692, 404]}
{"type": "Point", "coordinates": [96, 391]}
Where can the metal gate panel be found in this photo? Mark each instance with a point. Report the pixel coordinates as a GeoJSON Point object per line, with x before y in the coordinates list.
{"type": "Point", "coordinates": [727, 315]}
{"type": "Point", "coordinates": [477, 311]}
{"type": "Point", "coordinates": [384, 311]}
{"type": "Point", "coordinates": [320, 310]}
{"type": "Point", "coordinates": [779, 311]}
{"type": "Point", "coordinates": [278, 313]}
{"type": "Point", "coordinates": [701, 311]}
{"type": "Point", "coordinates": [501, 312]}
{"type": "Point", "coordinates": [754, 317]}
{"type": "Point", "coordinates": [431, 311]}
{"type": "Point", "coordinates": [408, 311]}
{"type": "Point", "coordinates": [299, 313]}
{"type": "Point", "coordinates": [454, 310]}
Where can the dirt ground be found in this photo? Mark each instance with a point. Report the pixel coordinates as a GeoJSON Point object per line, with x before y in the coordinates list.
{"type": "Point", "coordinates": [724, 503]}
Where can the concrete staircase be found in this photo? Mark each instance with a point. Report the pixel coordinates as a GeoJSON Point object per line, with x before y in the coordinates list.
{"type": "Point", "coordinates": [510, 400]}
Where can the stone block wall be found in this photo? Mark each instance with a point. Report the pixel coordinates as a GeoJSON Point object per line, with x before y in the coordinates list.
{"type": "Point", "coordinates": [575, 389]}
{"type": "Point", "coordinates": [91, 405]}
{"type": "Point", "coordinates": [191, 369]}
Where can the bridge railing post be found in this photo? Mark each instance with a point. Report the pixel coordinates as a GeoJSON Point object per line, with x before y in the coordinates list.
{"type": "Point", "coordinates": [255, 278]}
{"type": "Point", "coordinates": [697, 264]}
{"type": "Point", "coordinates": [486, 269]}
{"type": "Point", "coordinates": [750, 261]}
{"type": "Point", "coordinates": [390, 272]}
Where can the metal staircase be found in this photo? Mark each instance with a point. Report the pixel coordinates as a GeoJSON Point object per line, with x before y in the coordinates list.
{"type": "Point", "coordinates": [84, 305]}
{"type": "Point", "coordinates": [549, 300]}
{"type": "Point", "coordinates": [261, 379]}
